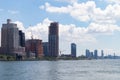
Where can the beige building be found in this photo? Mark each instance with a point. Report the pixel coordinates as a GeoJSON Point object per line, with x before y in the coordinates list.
{"type": "Point", "coordinates": [10, 40]}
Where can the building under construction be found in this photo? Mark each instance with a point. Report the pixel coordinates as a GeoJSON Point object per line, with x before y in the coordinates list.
{"type": "Point", "coordinates": [34, 48]}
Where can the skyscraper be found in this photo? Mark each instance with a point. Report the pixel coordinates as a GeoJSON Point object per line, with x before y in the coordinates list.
{"type": "Point", "coordinates": [73, 49]}
{"type": "Point", "coordinates": [87, 53]}
{"type": "Point", "coordinates": [95, 54]}
{"type": "Point", "coordinates": [102, 54]}
{"type": "Point", "coordinates": [91, 55]}
{"type": "Point", "coordinates": [9, 35]}
{"type": "Point", "coordinates": [54, 39]}
{"type": "Point", "coordinates": [46, 49]}
{"type": "Point", "coordinates": [10, 39]}
{"type": "Point", "coordinates": [21, 38]}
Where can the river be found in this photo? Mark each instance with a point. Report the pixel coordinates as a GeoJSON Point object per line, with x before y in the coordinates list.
{"type": "Point", "coordinates": [60, 70]}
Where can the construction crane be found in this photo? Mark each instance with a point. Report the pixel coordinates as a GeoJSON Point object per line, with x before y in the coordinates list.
{"type": "Point", "coordinates": [61, 52]}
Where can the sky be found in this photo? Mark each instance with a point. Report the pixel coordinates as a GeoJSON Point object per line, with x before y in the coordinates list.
{"type": "Point", "coordinates": [91, 24]}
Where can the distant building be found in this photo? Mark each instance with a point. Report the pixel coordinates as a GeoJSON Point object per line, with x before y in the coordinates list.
{"type": "Point", "coordinates": [102, 54]}
{"type": "Point", "coordinates": [46, 49]}
{"type": "Point", "coordinates": [73, 49]}
{"type": "Point", "coordinates": [114, 56]}
{"type": "Point", "coordinates": [91, 55]}
{"type": "Point", "coordinates": [34, 48]}
{"type": "Point", "coordinates": [21, 38]}
{"type": "Point", "coordinates": [54, 39]}
{"type": "Point", "coordinates": [10, 40]}
{"type": "Point", "coordinates": [87, 53]}
{"type": "Point", "coordinates": [95, 54]}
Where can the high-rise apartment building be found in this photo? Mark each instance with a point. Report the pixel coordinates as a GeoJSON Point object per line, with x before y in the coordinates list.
{"type": "Point", "coordinates": [54, 39]}
{"type": "Point", "coordinates": [102, 54]}
{"type": "Point", "coordinates": [87, 53]}
{"type": "Point", "coordinates": [73, 49]}
{"type": "Point", "coordinates": [95, 54]}
{"type": "Point", "coordinates": [21, 38]}
{"type": "Point", "coordinates": [10, 39]}
{"type": "Point", "coordinates": [9, 35]}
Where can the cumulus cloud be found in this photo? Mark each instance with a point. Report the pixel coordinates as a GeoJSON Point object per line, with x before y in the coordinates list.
{"type": "Point", "coordinates": [50, 8]}
{"type": "Point", "coordinates": [42, 7]}
{"type": "Point", "coordinates": [68, 32]}
{"type": "Point", "coordinates": [87, 11]}
{"type": "Point", "coordinates": [20, 25]}
{"type": "Point", "coordinates": [96, 28]}
{"type": "Point", "coordinates": [38, 31]}
{"type": "Point", "coordinates": [72, 33]}
{"type": "Point", "coordinates": [113, 1]}
{"type": "Point", "coordinates": [76, 10]}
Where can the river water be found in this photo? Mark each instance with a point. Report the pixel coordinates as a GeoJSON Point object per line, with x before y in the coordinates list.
{"type": "Point", "coordinates": [60, 70]}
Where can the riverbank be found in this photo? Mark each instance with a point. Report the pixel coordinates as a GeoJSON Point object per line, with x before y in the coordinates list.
{"type": "Point", "coordinates": [12, 58]}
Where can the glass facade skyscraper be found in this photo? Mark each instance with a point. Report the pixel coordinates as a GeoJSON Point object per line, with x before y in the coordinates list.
{"type": "Point", "coordinates": [54, 39]}
{"type": "Point", "coordinates": [73, 49]}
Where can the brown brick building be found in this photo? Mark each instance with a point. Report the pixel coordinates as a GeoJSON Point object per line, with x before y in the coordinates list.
{"type": "Point", "coordinates": [34, 48]}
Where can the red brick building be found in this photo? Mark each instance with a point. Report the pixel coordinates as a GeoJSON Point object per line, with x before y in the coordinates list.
{"type": "Point", "coordinates": [34, 48]}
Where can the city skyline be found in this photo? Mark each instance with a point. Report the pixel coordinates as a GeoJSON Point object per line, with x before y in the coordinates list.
{"type": "Point", "coordinates": [91, 24]}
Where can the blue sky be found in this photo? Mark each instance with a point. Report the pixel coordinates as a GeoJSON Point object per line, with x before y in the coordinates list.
{"type": "Point", "coordinates": [91, 24]}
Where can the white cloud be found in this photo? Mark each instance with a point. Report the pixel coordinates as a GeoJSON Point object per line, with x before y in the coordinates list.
{"type": "Point", "coordinates": [102, 28]}
{"type": "Point", "coordinates": [76, 10]}
{"type": "Point", "coordinates": [69, 1]}
{"type": "Point", "coordinates": [39, 30]}
{"type": "Point", "coordinates": [110, 15]}
{"type": "Point", "coordinates": [69, 33]}
{"type": "Point", "coordinates": [13, 11]}
{"type": "Point", "coordinates": [50, 8]}
{"type": "Point", "coordinates": [42, 7]}
{"type": "Point", "coordinates": [20, 25]}
{"type": "Point", "coordinates": [87, 11]}
{"type": "Point", "coordinates": [113, 1]}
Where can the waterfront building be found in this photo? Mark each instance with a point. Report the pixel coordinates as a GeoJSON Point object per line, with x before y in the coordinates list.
{"type": "Point", "coordinates": [87, 53]}
{"type": "Point", "coordinates": [54, 39]}
{"type": "Point", "coordinates": [46, 49]}
{"type": "Point", "coordinates": [102, 54]}
{"type": "Point", "coordinates": [34, 48]}
{"type": "Point", "coordinates": [10, 40]}
{"type": "Point", "coordinates": [95, 54]}
{"type": "Point", "coordinates": [73, 49]}
{"type": "Point", "coordinates": [91, 55]}
{"type": "Point", "coordinates": [21, 38]}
